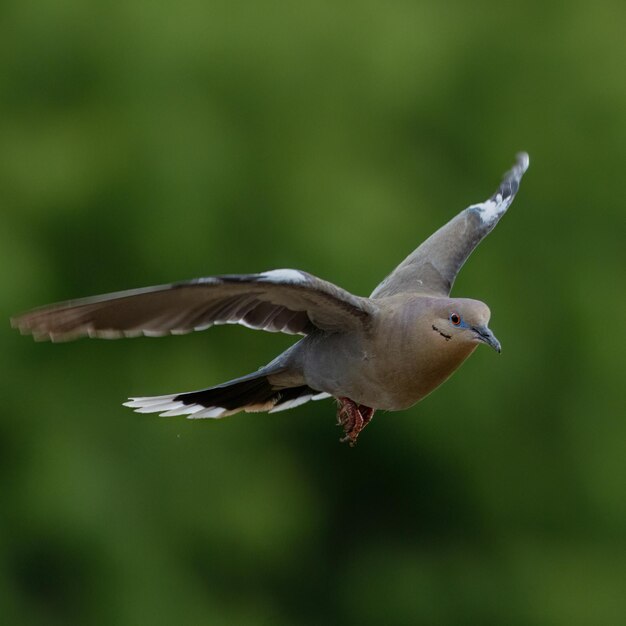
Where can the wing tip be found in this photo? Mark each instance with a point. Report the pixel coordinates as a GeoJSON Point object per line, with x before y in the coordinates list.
{"type": "Point", "coordinates": [512, 179]}
{"type": "Point", "coordinates": [27, 329]}
{"type": "Point", "coordinates": [522, 161]}
{"type": "Point", "coordinates": [510, 182]}
{"type": "Point", "coordinates": [20, 323]}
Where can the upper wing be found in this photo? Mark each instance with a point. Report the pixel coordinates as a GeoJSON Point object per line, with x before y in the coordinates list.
{"type": "Point", "coordinates": [433, 267]}
{"type": "Point", "coordinates": [288, 301]}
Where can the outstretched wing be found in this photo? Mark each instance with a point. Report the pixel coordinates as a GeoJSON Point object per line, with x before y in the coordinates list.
{"type": "Point", "coordinates": [433, 266]}
{"type": "Point", "coordinates": [288, 301]}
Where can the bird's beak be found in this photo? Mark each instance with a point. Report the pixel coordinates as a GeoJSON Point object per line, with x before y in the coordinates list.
{"type": "Point", "coordinates": [486, 336]}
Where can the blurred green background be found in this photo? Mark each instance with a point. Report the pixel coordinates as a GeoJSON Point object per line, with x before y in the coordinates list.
{"type": "Point", "coordinates": [146, 142]}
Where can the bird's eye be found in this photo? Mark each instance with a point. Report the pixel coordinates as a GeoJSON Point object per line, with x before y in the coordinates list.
{"type": "Point", "coordinates": [455, 318]}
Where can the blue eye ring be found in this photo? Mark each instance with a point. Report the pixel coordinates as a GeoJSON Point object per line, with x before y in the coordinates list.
{"type": "Point", "coordinates": [455, 319]}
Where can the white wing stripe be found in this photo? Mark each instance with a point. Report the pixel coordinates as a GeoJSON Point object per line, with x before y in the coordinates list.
{"type": "Point", "coordinates": [284, 276]}
{"type": "Point", "coordinates": [290, 404]}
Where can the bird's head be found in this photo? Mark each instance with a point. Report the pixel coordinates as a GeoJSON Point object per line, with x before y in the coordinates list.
{"type": "Point", "coordinates": [464, 321]}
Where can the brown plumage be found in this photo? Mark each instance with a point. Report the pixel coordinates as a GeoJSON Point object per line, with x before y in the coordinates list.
{"type": "Point", "coordinates": [387, 351]}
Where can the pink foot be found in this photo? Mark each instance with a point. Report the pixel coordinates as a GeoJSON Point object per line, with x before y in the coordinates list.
{"type": "Point", "coordinates": [354, 418]}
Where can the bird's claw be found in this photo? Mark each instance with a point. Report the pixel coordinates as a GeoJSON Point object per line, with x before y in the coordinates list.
{"type": "Point", "coordinates": [353, 418]}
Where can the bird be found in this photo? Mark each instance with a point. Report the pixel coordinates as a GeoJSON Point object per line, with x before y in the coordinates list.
{"type": "Point", "coordinates": [384, 352]}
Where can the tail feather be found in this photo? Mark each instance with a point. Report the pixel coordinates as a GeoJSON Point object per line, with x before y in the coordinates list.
{"type": "Point", "coordinates": [251, 393]}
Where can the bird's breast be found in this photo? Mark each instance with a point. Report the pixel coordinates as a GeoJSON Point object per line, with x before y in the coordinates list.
{"type": "Point", "coordinates": [390, 369]}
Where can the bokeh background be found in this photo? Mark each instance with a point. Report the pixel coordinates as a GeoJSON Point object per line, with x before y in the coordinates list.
{"type": "Point", "coordinates": [146, 142]}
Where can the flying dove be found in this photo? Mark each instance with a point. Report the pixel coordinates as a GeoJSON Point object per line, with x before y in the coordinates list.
{"type": "Point", "coordinates": [384, 352]}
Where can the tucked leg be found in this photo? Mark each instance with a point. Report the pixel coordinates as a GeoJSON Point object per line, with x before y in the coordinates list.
{"type": "Point", "coordinates": [353, 418]}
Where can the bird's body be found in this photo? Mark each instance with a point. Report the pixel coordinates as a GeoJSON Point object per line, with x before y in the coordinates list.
{"type": "Point", "coordinates": [385, 352]}
{"type": "Point", "coordinates": [390, 365]}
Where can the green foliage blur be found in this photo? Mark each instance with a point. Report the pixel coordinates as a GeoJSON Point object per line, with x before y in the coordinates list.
{"type": "Point", "coordinates": [147, 142]}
